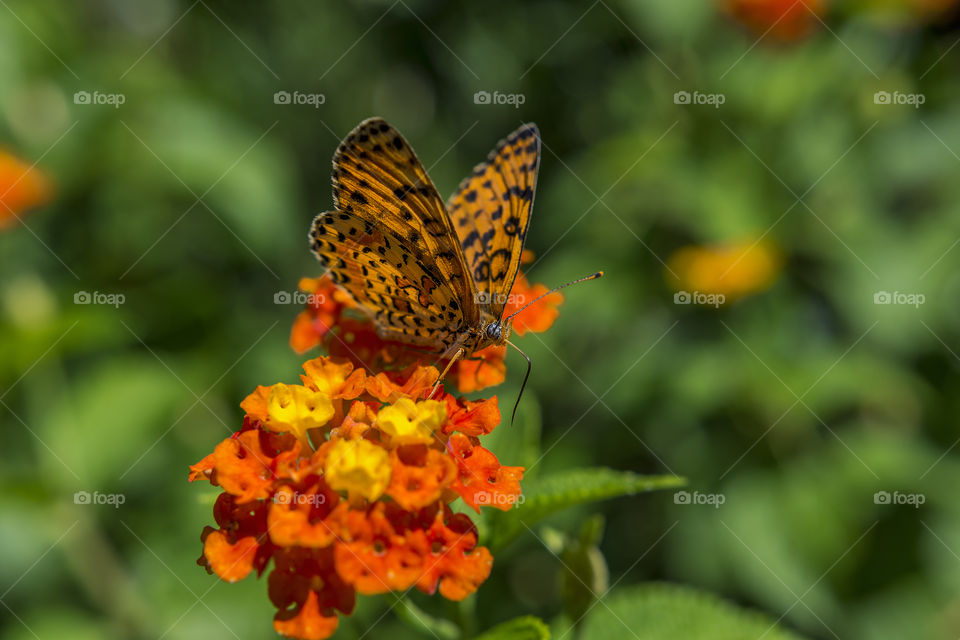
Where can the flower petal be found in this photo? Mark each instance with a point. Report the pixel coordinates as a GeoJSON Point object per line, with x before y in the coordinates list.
{"type": "Point", "coordinates": [296, 409]}
{"type": "Point", "coordinates": [485, 368]}
{"type": "Point", "coordinates": [483, 481]}
{"type": "Point", "coordinates": [230, 561]}
{"type": "Point", "coordinates": [420, 476]}
{"type": "Point", "coordinates": [358, 467]}
{"type": "Point", "coordinates": [409, 422]}
{"type": "Point", "coordinates": [307, 622]}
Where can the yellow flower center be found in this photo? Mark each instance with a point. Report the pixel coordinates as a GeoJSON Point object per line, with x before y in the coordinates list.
{"type": "Point", "coordinates": [409, 422]}
{"type": "Point", "coordinates": [295, 408]}
{"type": "Point", "coordinates": [358, 467]}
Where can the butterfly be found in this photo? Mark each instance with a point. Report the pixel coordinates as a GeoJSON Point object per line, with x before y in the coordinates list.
{"type": "Point", "coordinates": [428, 274]}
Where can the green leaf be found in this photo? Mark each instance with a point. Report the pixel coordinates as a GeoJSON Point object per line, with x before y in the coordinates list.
{"type": "Point", "coordinates": [525, 628]}
{"type": "Point", "coordinates": [660, 611]}
{"type": "Point", "coordinates": [552, 493]}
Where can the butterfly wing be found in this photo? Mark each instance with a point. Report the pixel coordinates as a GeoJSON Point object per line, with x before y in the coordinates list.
{"type": "Point", "coordinates": [491, 212]}
{"type": "Point", "coordinates": [378, 178]}
{"type": "Point", "coordinates": [391, 244]}
{"type": "Point", "coordinates": [407, 298]}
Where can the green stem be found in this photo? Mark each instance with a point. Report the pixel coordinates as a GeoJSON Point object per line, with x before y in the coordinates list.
{"type": "Point", "coordinates": [416, 618]}
{"type": "Point", "coordinates": [465, 613]}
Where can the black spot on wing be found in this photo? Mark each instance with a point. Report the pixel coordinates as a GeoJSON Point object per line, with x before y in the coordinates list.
{"type": "Point", "coordinates": [472, 237]}
{"type": "Point", "coordinates": [482, 272]}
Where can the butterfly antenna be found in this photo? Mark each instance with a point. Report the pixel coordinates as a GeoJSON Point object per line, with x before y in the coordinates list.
{"type": "Point", "coordinates": [592, 276]}
{"type": "Point", "coordinates": [525, 378]}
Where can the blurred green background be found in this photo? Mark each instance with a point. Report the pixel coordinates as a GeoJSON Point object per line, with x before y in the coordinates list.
{"type": "Point", "coordinates": [192, 199]}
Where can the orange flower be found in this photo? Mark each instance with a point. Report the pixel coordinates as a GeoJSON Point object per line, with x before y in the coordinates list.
{"type": "Point", "coordinates": [255, 404]}
{"type": "Point", "coordinates": [244, 467]}
{"type": "Point", "coordinates": [232, 561]}
{"type": "Point", "coordinates": [235, 550]}
{"type": "Point", "coordinates": [726, 272]}
{"type": "Point", "coordinates": [486, 368]}
{"type": "Point", "coordinates": [414, 382]}
{"type": "Point", "coordinates": [202, 469]}
{"type": "Point", "coordinates": [539, 316]}
{"type": "Point", "coordinates": [455, 560]}
{"type": "Point", "coordinates": [304, 518]}
{"type": "Point", "coordinates": [357, 422]}
{"type": "Point", "coordinates": [22, 187]}
{"type": "Point", "coordinates": [306, 620]}
{"type": "Point", "coordinates": [378, 557]}
{"type": "Point", "coordinates": [482, 481]}
{"type": "Point", "coordinates": [419, 476]}
{"type": "Point", "coordinates": [472, 418]}
{"type": "Point", "coordinates": [784, 20]}
{"type": "Point", "coordinates": [325, 302]}
{"type": "Point", "coordinates": [365, 509]}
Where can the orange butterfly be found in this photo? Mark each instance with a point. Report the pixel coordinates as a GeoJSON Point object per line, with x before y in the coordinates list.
{"type": "Point", "coordinates": [428, 274]}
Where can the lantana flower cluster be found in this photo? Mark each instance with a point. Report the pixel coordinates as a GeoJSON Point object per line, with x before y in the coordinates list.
{"type": "Point", "coordinates": [346, 481]}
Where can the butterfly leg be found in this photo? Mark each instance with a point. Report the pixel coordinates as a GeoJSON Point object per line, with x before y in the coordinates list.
{"type": "Point", "coordinates": [456, 356]}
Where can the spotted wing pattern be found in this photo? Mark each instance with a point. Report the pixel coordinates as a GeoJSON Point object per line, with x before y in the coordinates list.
{"type": "Point", "coordinates": [390, 242]}
{"type": "Point", "coordinates": [408, 299]}
{"type": "Point", "coordinates": [491, 213]}
{"type": "Point", "coordinates": [378, 178]}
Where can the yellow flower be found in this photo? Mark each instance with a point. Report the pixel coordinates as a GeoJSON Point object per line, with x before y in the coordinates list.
{"type": "Point", "coordinates": [295, 409]}
{"type": "Point", "coordinates": [358, 467]}
{"type": "Point", "coordinates": [723, 273]}
{"type": "Point", "coordinates": [407, 422]}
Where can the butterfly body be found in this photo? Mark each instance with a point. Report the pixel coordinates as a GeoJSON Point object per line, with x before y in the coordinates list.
{"type": "Point", "coordinates": [429, 274]}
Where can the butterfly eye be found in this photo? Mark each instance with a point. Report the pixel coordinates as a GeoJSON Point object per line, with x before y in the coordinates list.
{"type": "Point", "coordinates": [493, 331]}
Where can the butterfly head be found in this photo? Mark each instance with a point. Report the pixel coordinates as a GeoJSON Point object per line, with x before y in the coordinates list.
{"type": "Point", "coordinates": [497, 332]}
